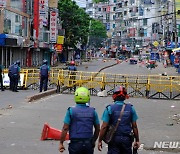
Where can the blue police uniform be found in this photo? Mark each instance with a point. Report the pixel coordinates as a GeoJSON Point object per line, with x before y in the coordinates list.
{"type": "Point", "coordinates": [72, 68]}
{"type": "Point", "coordinates": [44, 70]}
{"type": "Point", "coordinates": [1, 78]}
{"type": "Point", "coordinates": [121, 142]}
{"type": "Point", "coordinates": [81, 120]}
{"type": "Point", "coordinates": [15, 72]}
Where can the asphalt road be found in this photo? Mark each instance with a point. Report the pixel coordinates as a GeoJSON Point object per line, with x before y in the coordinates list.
{"type": "Point", "coordinates": [21, 125]}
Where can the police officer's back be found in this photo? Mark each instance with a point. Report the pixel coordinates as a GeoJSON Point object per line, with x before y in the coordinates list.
{"type": "Point", "coordinates": [44, 74]}
{"type": "Point", "coordinates": [72, 66]}
{"type": "Point", "coordinates": [121, 142]}
{"type": "Point", "coordinates": [15, 75]}
{"type": "Point", "coordinates": [79, 121]}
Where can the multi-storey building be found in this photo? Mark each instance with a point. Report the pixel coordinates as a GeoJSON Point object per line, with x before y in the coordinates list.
{"type": "Point", "coordinates": [105, 12]}
{"type": "Point", "coordinates": [28, 31]}
{"type": "Point", "coordinates": [14, 30]}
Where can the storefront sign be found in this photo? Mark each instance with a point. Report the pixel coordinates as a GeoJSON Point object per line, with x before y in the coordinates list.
{"type": "Point", "coordinates": [53, 26]}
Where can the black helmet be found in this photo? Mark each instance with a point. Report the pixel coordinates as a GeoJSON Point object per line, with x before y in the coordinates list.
{"type": "Point", "coordinates": [18, 62]}
{"type": "Point", "coordinates": [45, 61]}
{"type": "Point", "coordinates": [120, 94]}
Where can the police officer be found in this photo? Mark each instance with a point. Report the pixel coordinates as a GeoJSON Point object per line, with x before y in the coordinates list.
{"type": "Point", "coordinates": [79, 121]}
{"type": "Point", "coordinates": [72, 66]}
{"type": "Point", "coordinates": [121, 142]}
{"type": "Point", "coordinates": [10, 76]}
{"type": "Point", "coordinates": [1, 77]}
{"type": "Point", "coordinates": [44, 75]}
{"type": "Point", "coordinates": [15, 71]}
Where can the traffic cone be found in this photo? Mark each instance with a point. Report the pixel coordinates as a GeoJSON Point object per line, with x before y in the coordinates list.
{"type": "Point", "coordinates": [51, 133]}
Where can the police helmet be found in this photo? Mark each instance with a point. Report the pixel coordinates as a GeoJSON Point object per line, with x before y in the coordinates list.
{"type": "Point", "coordinates": [72, 62]}
{"type": "Point", "coordinates": [82, 95]}
{"type": "Point", "coordinates": [18, 62]}
{"type": "Point", "coordinates": [45, 61]}
{"type": "Point", "coordinates": [120, 94]}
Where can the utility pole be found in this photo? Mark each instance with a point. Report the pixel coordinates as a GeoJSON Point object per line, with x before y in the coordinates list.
{"type": "Point", "coordinates": [175, 27]}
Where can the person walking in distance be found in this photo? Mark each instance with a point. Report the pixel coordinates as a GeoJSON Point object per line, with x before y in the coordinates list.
{"type": "Point", "coordinates": [79, 121]}
{"type": "Point", "coordinates": [121, 142]}
{"type": "Point", "coordinates": [15, 71]}
{"type": "Point", "coordinates": [1, 77]}
{"type": "Point", "coordinates": [44, 75]}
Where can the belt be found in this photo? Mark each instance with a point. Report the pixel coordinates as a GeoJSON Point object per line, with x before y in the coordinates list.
{"type": "Point", "coordinates": [81, 141]}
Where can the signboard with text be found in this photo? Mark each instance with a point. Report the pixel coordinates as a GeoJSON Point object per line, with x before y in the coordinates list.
{"type": "Point", "coordinates": [53, 26]}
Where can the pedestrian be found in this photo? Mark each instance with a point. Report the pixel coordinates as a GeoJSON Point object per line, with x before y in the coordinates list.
{"type": "Point", "coordinates": [15, 71]}
{"type": "Point", "coordinates": [72, 66]}
{"type": "Point", "coordinates": [79, 121]}
{"type": "Point", "coordinates": [121, 142]}
{"type": "Point", "coordinates": [44, 75]}
{"type": "Point", "coordinates": [1, 77]}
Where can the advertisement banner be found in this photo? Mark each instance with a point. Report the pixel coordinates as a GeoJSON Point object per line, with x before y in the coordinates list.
{"type": "Point", "coordinates": [6, 80]}
{"type": "Point", "coordinates": [2, 3]}
{"type": "Point", "coordinates": [53, 26]}
{"type": "Point", "coordinates": [60, 40]}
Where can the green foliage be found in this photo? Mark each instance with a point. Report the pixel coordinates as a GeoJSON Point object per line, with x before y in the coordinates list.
{"type": "Point", "coordinates": [75, 22]}
{"type": "Point", "coordinates": [97, 33]}
{"type": "Point", "coordinates": [97, 1]}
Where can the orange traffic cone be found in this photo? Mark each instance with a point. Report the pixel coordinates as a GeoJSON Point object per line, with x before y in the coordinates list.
{"type": "Point", "coordinates": [51, 133]}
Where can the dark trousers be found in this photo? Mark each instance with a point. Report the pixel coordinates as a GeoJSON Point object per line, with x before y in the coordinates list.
{"type": "Point", "coordinates": [120, 145]}
{"type": "Point", "coordinates": [81, 147]}
{"type": "Point", "coordinates": [43, 83]}
{"type": "Point", "coordinates": [15, 79]}
{"type": "Point", "coordinates": [1, 81]}
{"type": "Point", "coordinates": [10, 82]}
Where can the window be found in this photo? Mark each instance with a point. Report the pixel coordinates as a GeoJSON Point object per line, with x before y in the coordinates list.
{"type": "Point", "coordinates": [115, 1]}
{"type": "Point", "coordinates": [145, 22]}
{"type": "Point", "coordinates": [16, 18]}
{"type": "Point", "coordinates": [114, 17]}
{"type": "Point", "coordinates": [114, 25]}
{"type": "Point", "coordinates": [99, 9]}
{"type": "Point", "coordinates": [125, 13]}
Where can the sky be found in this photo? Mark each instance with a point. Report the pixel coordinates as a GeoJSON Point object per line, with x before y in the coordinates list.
{"type": "Point", "coordinates": [81, 3]}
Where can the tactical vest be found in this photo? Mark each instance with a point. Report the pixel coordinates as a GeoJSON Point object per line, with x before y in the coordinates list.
{"type": "Point", "coordinates": [82, 121]}
{"type": "Point", "coordinates": [14, 69]}
{"type": "Point", "coordinates": [72, 68]}
{"type": "Point", "coordinates": [124, 127]}
{"type": "Point", "coordinates": [44, 70]}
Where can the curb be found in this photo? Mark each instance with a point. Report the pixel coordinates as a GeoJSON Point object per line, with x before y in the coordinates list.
{"type": "Point", "coordinates": [53, 91]}
{"type": "Point", "coordinates": [41, 95]}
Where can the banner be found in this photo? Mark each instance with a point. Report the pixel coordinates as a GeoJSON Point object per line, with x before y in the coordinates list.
{"type": "Point", "coordinates": [53, 26]}
{"type": "Point", "coordinates": [6, 80]}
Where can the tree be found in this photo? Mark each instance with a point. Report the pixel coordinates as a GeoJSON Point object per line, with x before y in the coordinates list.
{"type": "Point", "coordinates": [97, 33]}
{"type": "Point", "coordinates": [75, 22]}
{"type": "Point", "coordinates": [97, 1]}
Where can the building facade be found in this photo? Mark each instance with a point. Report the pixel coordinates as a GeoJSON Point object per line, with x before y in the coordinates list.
{"type": "Point", "coordinates": [28, 31]}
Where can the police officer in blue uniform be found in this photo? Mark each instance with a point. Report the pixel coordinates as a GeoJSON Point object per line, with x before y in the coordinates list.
{"type": "Point", "coordinates": [10, 76]}
{"type": "Point", "coordinates": [72, 66]}
{"type": "Point", "coordinates": [79, 121]}
{"type": "Point", "coordinates": [15, 72]}
{"type": "Point", "coordinates": [44, 75]}
{"type": "Point", "coordinates": [1, 77]}
{"type": "Point", "coordinates": [121, 142]}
